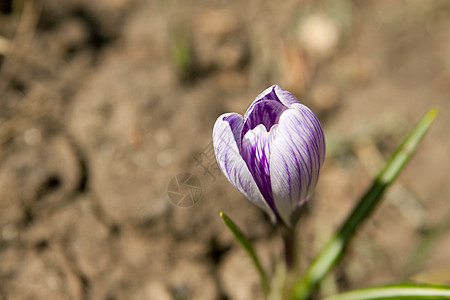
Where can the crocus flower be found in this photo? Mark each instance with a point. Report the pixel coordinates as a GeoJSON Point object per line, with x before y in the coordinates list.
{"type": "Point", "coordinates": [273, 154]}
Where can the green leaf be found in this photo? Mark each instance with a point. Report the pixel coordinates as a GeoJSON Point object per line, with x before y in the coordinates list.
{"type": "Point", "coordinates": [396, 291]}
{"type": "Point", "coordinates": [243, 240]}
{"type": "Point", "coordinates": [181, 45]}
{"type": "Point", "coordinates": [334, 248]}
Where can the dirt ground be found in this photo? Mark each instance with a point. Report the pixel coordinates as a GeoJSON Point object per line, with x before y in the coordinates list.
{"type": "Point", "coordinates": [103, 102]}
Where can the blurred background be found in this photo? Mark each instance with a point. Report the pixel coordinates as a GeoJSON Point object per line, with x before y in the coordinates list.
{"type": "Point", "coordinates": [103, 102]}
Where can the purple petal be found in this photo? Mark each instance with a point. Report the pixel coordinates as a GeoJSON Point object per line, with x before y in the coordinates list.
{"type": "Point", "coordinates": [265, 110]}
{"type": "Point", "coordinates": [226, 140]}
{"type": "Point", "coordinates": [285, 97]}
{"type": "Point", "coordinates": [264, 113]}
{"type": "Point", "coordinates": [267, 94]}
{"type": "Point", "coordinates": [297, 153]}
{"type": "Point", "coordinates": [255, 151]}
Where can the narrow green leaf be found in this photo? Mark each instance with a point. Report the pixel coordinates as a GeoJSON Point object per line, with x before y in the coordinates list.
{"type": "Point", "coordinates": [334, 248]}
{"type": "Point", "coordinates": [240, 237]}
{"type": "Point", "coordinates": [181, 51]}
{"type": "Point", "coordinates": [397, 291]}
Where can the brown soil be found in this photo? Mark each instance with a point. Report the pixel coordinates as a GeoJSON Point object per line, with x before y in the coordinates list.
{"type": "Point", "coordinates": [103, 102]}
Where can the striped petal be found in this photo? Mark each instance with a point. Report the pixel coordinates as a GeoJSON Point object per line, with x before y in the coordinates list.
{"type": "Point", "coordinates": [265, 110]}
{"type": "Point", "coordinates": [227, 144]}
{"type": "Point", "coordinates": [285, 97]}
{"type": "Point", "coordinates": [255, 151]}
{"type": "Point", "coordinates": [297, 153]}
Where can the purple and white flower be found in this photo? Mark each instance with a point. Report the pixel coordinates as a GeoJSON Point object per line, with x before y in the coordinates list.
{"type": "Point", "coordinates": [273, 154]}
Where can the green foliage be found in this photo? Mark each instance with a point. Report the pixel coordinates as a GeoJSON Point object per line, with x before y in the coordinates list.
{"type": "Point", "coordinates": [181, 52]}
{"type": "Point", "coordinates": [335, 247]}
{"type": "Point", "coordinates": [240, 237]}
{"type": "Point", "coordinates": [333, 250]}
{"type": "Point", "coordinates": [396, 291]}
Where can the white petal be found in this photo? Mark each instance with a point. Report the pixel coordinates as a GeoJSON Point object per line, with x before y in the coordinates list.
{"type": "Point", "coordinates": [285, 97]}
{"type": "Point", "coordinates": [297, 153]}
{"type": "Point", "coordinates": [226, 140]}
{"type": "Point", "coordinates": [255, 151]}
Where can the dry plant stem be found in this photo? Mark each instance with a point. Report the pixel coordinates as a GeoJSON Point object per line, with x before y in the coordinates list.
{"type": "Point", "coordinates": [23, 36]}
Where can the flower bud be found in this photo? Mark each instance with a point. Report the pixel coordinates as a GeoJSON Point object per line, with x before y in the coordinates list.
{"type": "Point", "coordinates": [273, 154]}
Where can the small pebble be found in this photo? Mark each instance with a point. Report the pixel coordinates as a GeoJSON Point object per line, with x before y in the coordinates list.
{"type": "Point", "coordinates": [9, 232]}
{"type": "Point", "coordinates": [164, 158]}
{"type": "Point", "coordinates": [318, 35]}
{"type": "Point", "coordinates": [32, 136]}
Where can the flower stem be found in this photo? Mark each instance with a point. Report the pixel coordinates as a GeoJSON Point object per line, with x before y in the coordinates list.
{"type": "Point", "coordinates": [290, 259]}
{"type": "Point", "coordinates": [290, 253]}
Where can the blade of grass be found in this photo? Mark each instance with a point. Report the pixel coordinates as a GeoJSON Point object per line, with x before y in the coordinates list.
{"type": "Point", "coordinates": [240, 237]}
{"type": "Point", "coordinates": [181, 51]}
{"type": "Point", "coordinates": [334, 248]}
{"type": "Point", "coordinates": [396, 291]}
